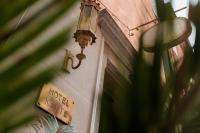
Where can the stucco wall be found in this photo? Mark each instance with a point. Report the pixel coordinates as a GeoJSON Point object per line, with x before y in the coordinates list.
{"type": "Point", "coordinates": [132, 13]}
{"type": "Point", "coordinates": [81, 84]}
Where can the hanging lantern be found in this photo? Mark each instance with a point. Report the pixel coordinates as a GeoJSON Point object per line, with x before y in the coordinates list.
{"type": "Point", "coordinates": [87, 25]}
{"type": "Point", "coordinates": [85, 33]}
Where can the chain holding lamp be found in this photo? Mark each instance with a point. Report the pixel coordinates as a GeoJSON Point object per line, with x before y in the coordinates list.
{"type": "Point", "coordinates": [85, 33]}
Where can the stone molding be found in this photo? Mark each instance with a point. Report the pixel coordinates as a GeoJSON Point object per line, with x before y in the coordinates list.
{"type": "Point", "coordinates": [116, 39]}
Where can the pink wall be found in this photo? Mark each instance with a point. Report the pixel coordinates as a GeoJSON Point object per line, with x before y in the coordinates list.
{"type": "Point", "coordinates": [132, 13]}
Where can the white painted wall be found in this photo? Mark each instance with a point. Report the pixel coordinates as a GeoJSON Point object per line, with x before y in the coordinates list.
{"type": "Point", "coordinates": [81, 83]}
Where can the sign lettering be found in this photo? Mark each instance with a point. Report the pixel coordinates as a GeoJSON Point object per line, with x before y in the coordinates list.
{"type": "Point", "coordinates": [53, 101]}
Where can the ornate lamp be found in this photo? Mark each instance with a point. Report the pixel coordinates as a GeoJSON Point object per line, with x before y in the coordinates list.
{"type": "Point", "coordinates": [85, 33]}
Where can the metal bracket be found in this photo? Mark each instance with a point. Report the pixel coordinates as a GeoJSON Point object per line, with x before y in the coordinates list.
{"type": "Point", "coordinates": [69, 57]}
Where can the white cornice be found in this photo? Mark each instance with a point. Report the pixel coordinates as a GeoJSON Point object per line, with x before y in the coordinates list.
{"type": "Point", "coordinates": [116, 39]}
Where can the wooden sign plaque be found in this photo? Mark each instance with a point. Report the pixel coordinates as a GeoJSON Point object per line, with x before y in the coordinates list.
{"type": "Point", "coordinates": [53, 101]}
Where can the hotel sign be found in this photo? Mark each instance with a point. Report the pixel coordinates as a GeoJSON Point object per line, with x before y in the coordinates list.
{"type": "Point", "coordinates": [53, 101]}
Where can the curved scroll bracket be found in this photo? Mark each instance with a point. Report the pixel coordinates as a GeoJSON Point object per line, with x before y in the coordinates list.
{"type": "Point", "coordinates": [69, 57]}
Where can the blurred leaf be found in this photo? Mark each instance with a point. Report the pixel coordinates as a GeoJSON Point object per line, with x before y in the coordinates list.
{"type": "Point", "coordinates": [17, 80]}
{"type": "Point", "coordinates": [27, 62]}
{"type": "Point", "coordinates": [10, 126]}
{"type": "Point", "coordinates": [24, 87]}
{"type": "Point", "coordinates": [10, 30]}
{"type": "Point", "coordinates": [10, 9]}
{"type": "Point", "coordinates": [39, 25]}
{"type": "Point", "coordinates": [150, 107]}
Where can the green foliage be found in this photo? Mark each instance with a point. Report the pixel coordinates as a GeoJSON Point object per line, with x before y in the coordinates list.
{"type": "Point", "coordinates": [18, 79]}
{"type": "Point", "coordinates": [147, 106]}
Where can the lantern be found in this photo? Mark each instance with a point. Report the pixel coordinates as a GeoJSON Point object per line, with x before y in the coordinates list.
{"type": "Point", "coordinates": [85, 33]}
{"type": "Point", "coordinates": [87, 23]}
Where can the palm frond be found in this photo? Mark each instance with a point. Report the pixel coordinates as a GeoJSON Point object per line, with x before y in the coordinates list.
{"type": "Point", "coordinates": [18, 80]}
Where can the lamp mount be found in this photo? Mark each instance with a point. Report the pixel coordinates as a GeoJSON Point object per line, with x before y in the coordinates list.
{"type": "Point", "coordinates": [85, 33]}
{"type": "Point", "coordinates": [69, 57]}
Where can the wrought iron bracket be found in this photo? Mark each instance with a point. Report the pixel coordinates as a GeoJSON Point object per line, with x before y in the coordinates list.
{"type": "Point", "coordinates": [70, 57]}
